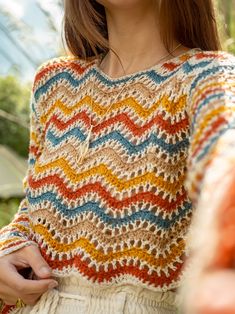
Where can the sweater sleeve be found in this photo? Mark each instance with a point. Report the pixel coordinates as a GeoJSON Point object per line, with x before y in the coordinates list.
{"type": "Point", "coordinates": [211, 157]}
{"type": "Point", "coordinates": [16, 235]}
{"type": "Point", "coordinates": [211, 110]}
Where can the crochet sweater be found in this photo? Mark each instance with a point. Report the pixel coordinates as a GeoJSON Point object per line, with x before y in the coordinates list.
{"type": "Point", "coordinates": [122, 214]}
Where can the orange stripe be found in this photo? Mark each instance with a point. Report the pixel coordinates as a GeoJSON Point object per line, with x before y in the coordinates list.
{"type": "Point", "coordinates": [170, 128]}
{"type": "Point", "coordinates": [214, 126]}
{"type": "Point", "coordinates": [101, 275]}
{"type": "Point", "coordinates": [149, 197]}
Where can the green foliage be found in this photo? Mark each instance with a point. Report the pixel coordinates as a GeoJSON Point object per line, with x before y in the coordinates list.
{"type": "Point", "coordinates": [8, 208]}
{"type": "Point", "coordinates": [14, 99]}
{"type": "Point", "coordinates": [227, 24]}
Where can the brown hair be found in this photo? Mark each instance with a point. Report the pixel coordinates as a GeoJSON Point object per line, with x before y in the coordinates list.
{"type": "Point", "coordinates": [191, 22]}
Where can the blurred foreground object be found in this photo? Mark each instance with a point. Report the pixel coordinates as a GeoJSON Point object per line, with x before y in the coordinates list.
{"type": "Point", "coordinates": [225, 227]}
{"type": "Point", "coordinates": [12, 171]}
{"type": "Point", "coordinates": [210, 285]}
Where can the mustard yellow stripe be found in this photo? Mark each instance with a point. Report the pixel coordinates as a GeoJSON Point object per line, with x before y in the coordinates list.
{"type": "Point", "coordinates": [170, 106]}
{"type": "Point", "coordinates": [98, 256]}
{"type": "Point", "coordinates": [206, 121]}
{"type": "Point", "coordinates": [102, 170]}
{"type": "Point", "coordinates": [173, 107]}
{"type": "Point", "coordinates": [8, 241]}
{"type": "Point", "coordinates": [19, 227]}
{"type": "Point", "coordinates": [34, 138]}
{"type": "Point", "coordinates": [16, 225]}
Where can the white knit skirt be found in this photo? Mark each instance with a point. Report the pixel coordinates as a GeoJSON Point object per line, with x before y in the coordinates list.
{"type": "Point", "coordinates": [74, 296]}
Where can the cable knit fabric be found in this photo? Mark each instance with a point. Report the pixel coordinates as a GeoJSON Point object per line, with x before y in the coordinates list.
{"type": "Point", "coordinates": [121, 215]}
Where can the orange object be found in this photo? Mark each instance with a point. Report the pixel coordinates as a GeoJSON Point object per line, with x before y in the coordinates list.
{"type": "Point", "coordinates": [225, 249]}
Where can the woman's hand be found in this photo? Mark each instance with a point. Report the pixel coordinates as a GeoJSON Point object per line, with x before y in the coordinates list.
{"type": "Point", "coordinates": [13, 285]}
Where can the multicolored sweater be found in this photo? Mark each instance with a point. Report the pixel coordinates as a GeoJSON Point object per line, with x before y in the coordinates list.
{"type": "Point", "coordinates": [122, 214]}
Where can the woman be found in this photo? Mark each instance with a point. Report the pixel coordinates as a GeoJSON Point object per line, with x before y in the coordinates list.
{"type": "Point", "coordinates": [115, 129]}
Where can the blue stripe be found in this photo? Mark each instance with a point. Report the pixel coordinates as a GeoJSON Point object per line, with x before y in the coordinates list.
{"type": "Point", "coordinates": [218, 135]}
{"type": "Point", "coordinates": [119, 138]}
{"type": "Point", "coordinates": [31, 161]}
{"type": "Point", "coordinates": [96, 208]}
{"type": "Point", "coordinates": [209, 72]}
{"type": "Point", "coordinates": [206, 101]}
{"type": "Point", "coordinates": [76, 82]}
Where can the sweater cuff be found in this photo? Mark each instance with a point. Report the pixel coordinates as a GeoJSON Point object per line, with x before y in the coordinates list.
{"type": "Point", "coordinates": [15, 245]}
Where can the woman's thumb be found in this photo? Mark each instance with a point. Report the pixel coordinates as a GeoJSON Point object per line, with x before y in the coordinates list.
{"type": "Point", "coordinates": [37, 262]}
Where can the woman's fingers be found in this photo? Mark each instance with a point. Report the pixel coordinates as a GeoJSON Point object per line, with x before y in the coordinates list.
{"type": "Point", "coordinates": [34, 259]}
{"type": "Point", "coordinates": [13, 285]}
{"type": "Point", "coordinates": [11, 278]}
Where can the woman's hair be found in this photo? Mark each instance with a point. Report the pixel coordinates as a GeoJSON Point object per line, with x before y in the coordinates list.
{"type": "Point", "coordinates": [190, 22]}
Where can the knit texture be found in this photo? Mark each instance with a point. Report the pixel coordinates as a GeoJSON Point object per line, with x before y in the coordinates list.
{"type": "Point", "coordinates": [122, 215]}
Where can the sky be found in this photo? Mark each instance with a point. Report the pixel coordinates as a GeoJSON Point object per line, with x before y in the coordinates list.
{"type": "Point", "coordinates": [36, 42]}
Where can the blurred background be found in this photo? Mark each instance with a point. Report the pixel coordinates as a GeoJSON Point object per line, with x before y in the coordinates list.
{"type": "Point", "coordinates": [30, 33]}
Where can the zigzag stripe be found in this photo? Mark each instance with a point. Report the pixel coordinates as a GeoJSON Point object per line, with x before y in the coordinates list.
{"type": "Point", "coordinates": [106, 173]}
{"type": "Point", "coordinates": [101, 258]}
{"type": "Point", "coordinates": [121, 214]}
{"type": "Point", "coordinates": [206, 121]}
{"type": "Point", "coordinates": [104, 237]}
{"type": "Point", "coordinates": [215, 125]}
{"type": "Point", "coordinates": [108, 154]}
{"type": "Point", "coordinates": [208, 73]}
{"type": "Point", "coordinates": [107, 276]}
{"type": "Point", "coordinates": [19, 226]}
{"type": "Point", "coordinates": [200, 96]}
{"type": "Point", "coordinates": [209, 100]}
{"type": "Point", "coordinates": [96, 188]}
{"type": "Point", "coordinates": [20, 221]}
{"type": "Point", "coordinates": [76, 82]}
{"type": "Point", "coordinates": [119, 138]}
{"type": "Point", "coordinates": [155, 200]}
{"type": "Point", "coordinates": [124, 119]}
{"type": "Point", "coordinates": [14, 243]}
{"type": "Point", "coordinates": [4, 244]}
{"type": "Point", "coordinates": [214, 139]}
{"type": "Point", "coordinates": [99, 211]}
{"type": "Point", "coordinates": [71, 96]}
{"type": "Point", "coordinates": [79, 67]}
{"type": "Point", "coordinates": [56, 63]}
{"type": "Point", "coordinates": [164, 102]}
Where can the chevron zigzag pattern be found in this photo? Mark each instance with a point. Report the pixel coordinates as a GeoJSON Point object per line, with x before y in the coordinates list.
{"type": "Point", "coordinates": [122, 215]}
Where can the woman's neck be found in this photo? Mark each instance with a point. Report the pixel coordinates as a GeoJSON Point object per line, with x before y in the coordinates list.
{"type": "Point", "coordinates": [135, 37]}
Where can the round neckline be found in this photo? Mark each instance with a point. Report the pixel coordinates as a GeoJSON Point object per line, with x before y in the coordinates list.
{"type": "Point", "coordinates": [157, 67]}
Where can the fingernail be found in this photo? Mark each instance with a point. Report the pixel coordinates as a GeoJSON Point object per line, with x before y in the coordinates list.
{"type": "Point", "coordinates": [52, 285]}
{"type": "Point", "coordinates": [45, 270]}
